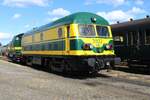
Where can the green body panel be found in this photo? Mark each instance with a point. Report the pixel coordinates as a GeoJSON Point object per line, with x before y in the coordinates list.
{"type": "Point", "coordinates": [55, 45]}
{"type": "Point", "coordinates": [81, 18]}
{"type": "Point", "coordinates": [76, 18]}
{"type": "Point", "coordinates": [77, 44]}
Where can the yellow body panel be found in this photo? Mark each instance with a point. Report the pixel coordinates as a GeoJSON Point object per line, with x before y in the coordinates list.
{"type": "Point", "coordinates": [44, 52]}
{"type": "Point", "coordinates": [71, 53]}
{"type": "Point", "coordinates": [17, 48]}
{"type": "Point", "coordinates": [37, 37]}
{"type": "Point", "coordinates": [90, 53]}
{"type": "Point", "coordinates": [52, 34]}
{"type": "Point", "coordinates": [73, 30]}
{"type": "Point", "coordinates": [27, 39]}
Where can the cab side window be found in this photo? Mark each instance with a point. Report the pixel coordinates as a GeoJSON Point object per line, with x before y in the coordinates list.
{"type": "Point", "coordinates": [118, 40]}
{"type": "Point", "coordinates": [60, 32]}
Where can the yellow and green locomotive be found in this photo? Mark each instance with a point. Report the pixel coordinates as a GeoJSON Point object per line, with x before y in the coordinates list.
{"type": "Point", "coordinates": [14, 48]}
{"type": "Point", "coordinates": [78, 42]}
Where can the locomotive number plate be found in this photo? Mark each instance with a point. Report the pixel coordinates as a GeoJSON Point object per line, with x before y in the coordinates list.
{"type": "Point", "coordinates": [97, 42]}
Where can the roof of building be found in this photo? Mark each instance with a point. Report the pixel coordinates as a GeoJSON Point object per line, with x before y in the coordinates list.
{"type": "Point", "coordinates": [78, 18]}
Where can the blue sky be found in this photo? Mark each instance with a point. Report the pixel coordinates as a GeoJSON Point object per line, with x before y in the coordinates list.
{"type": "Point", "coordinates": [18, 16]}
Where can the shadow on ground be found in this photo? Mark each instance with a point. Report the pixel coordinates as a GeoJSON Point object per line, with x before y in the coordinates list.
{"type": "Point", "coordinates": [73, 75]}
{"type": "Point", "coordinates": [134, 69]}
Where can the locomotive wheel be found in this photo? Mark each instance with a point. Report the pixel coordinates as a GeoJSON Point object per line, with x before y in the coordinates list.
{"type": "Point", "coordinates": [92, 73]}
{"type": "Point", "coordinates": [149, 70]}
{"type": "Point", "coordinates": [29, 61]}
{"type": "Point", "coordinates": [130, 64]}
{"type": "Point", "coordinates": [50, 65]}
{"type": "Point", "coordinates": [67, 68]}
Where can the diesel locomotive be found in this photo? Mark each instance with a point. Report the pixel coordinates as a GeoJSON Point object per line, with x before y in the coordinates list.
{"type": "Point", "coordinates": [78, 42]}
{"type": "Point", "coordinates": [14, 48]}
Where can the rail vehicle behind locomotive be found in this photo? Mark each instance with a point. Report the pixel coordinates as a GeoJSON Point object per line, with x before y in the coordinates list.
{"type": "Point", "coordinates": [14, 49]}
{"type": "Point", "coordinates": [3, 50]}
{"type": "Point", "coordinates": [78, 42]}
{"type": "Point", "coordinates": [132, 41]}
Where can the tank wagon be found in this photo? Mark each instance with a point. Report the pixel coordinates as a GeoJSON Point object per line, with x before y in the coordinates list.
{"type": "Point", "coordinates": [132, 41]}
{"type": "Point", "coordinates": [78, 42]}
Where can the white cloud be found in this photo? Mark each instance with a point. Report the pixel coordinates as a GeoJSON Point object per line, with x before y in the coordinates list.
{"type": "Point", "coordinates": [59, 12]}
{"type": "Point", "coordinates": [136, 10]}
{"type": "Point", "coordinates": [52, 19]}
{"type": "Point", "coordinates": [4, 36]}
{"type": "Point", "coordinates": [27, 26]}
{"type": "Point", "coordinates": [139, 2]}
{"type": "Point", "coordinates": [113, 16]}
{"type": "Point", "coordinates": [114, 2]}
{"type": "Point", "coordinates": [23, 3]}
{"type": "Point", "coordinates": [16, 16]}
{"type": "Point", "coordinates": [120, 15]}
{"type": "Point", "coordinates": [109, 2]}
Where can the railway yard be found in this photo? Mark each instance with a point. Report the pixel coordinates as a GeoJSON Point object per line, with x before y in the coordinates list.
{"type": "Point", "coordinates": [18, 82]}
{"type": "Point", "coordinates": [75, 50]}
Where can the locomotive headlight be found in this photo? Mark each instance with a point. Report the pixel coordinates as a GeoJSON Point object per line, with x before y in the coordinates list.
{"type": "Point", "coordinates": [109, 46]}
{"type": "Point", "coordinates": [88, 47]}
{"type": "Point", "coordinates": [91, 46]}
{"type": "Point", "coordinates": [93, 19]}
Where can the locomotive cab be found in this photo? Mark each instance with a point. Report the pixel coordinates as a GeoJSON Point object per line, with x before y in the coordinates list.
{"type": "Point", "coordinates": [93, 43]}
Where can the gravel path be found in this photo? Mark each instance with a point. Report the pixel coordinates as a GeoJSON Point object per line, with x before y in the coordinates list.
{"type": "Point", "coordinates": [19, 82]}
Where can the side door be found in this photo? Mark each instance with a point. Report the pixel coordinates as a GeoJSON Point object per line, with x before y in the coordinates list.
{"type": "Point", "coordinates": [67, 40]}
{"type": "Point", "coordinates": [133, 44]}
{"type": "Point", "coordinates": [145, 48]}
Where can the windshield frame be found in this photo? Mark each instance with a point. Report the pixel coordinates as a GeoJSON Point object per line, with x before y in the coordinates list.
{"type": "Point", "coordinates": [95, 30]}
{"type": "Point", "coordinates": [81, 34]}
{"type": "Point", "coordinates": [106, 27]}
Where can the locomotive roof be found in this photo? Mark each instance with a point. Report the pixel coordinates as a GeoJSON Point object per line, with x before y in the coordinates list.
{"type": "Point", "coordinates": [132, 24]}
{"type": "Point", "coordinates": [19, 35]}
{"type": "Point", "coordinates": [78, 18]}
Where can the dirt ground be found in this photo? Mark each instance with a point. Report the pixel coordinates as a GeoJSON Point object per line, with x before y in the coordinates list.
{"type": "Point", "coordinates": [18, 82]}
